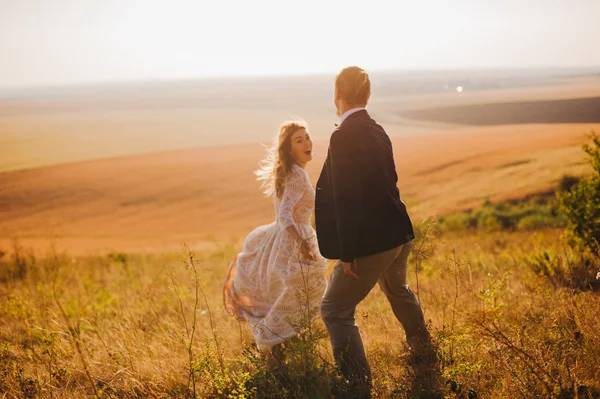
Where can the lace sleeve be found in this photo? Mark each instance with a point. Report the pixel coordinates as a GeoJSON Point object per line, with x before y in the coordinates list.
{"type": "Point", "coordinates": [292, 193]}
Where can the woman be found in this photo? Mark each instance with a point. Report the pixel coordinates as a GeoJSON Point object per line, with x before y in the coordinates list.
{"type": "Point", "coordinates": [277, 281]}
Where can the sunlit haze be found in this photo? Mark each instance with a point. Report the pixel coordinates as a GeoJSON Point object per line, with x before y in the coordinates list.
{"type": "Point", "coordinates": [68, 41]}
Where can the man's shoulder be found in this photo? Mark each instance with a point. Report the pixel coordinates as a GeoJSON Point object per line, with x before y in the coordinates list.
{"type": "Point", "coordinates": [360, 123]}
{"type": "Point", "coordinates": [356, 130]}
{"type": "Point", "coordinates": [344, 131]}
{"type": "Point", "coordinates": [343, 139]}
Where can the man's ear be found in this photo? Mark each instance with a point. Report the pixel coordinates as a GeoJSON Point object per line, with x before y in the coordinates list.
{"type": "Point", "coordinates": [369, 96]}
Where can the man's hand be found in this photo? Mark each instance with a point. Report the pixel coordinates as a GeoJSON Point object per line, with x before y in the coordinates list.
{"type": "Point", "coordinates": [348, 269]}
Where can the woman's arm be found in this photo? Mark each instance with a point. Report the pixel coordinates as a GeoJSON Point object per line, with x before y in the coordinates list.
{"type": "Point", "coordinates": [293, 192]}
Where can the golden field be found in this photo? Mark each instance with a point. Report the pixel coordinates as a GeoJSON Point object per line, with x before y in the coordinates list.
{"type": "Point", "coordinates": [98, 193]}
{"type": "Point", "coordinates": [145, 171]}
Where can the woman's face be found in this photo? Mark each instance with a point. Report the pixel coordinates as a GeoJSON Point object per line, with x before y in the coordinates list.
{"type": "Point", "coordinates": [301, 147]}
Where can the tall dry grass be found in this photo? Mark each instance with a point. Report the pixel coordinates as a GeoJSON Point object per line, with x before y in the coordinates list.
{"type": "Point", "coordinates": [153, 326]}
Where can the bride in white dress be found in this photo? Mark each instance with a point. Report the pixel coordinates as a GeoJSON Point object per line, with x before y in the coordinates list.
{"type": "Point", "coordinates": [276, 283]}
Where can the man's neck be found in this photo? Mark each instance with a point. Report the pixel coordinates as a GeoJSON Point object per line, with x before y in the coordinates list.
{"type": "Point", "coordinates": [349, 112]}
{"type": "Point", "coordinates": [347, 107]}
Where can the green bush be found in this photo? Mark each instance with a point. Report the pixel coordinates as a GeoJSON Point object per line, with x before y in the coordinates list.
{"type": "Point", "coordinates": [537, 212]}
{"type": "Point", "coordinates": [458, 222]}
{"type": "Point", "coordinates": [538, 222]}
{"type": "Point", "coordinates": [567, 182]}
{"type": "Point", "coordinates": [581, 204]}
{"type": "Point", "coordinates": [565, 268]}
{"type": "Point", "coordinates": [489, 222]}
{"type": "Point", "coordinates": [18, 265]}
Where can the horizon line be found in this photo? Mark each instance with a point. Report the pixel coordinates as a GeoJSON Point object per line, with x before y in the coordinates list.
{"type": "Point", "coordinates": [260, 76]}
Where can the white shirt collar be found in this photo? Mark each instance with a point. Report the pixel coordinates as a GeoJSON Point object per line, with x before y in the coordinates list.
{"type": "Point", "coordinates": [350, 112]}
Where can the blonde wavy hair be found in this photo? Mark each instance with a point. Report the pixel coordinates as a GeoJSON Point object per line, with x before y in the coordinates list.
{"type": "Point", "coordinates": [277, 165]}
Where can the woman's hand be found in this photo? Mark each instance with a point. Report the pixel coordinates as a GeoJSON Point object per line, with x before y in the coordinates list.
{"type": "Point", "coordinates": [306, 251]}
{"type": "Point", "coordinates": [305, 247]}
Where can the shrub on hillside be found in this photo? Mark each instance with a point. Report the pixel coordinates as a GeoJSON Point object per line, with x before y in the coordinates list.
{"type": "Point", "coordinates": [537, 212]}
{"type": "Point", "coordinates": [567, 182]}
{"type": "Point", "coordinates": [17, 265]}
{"type": "Point", "coordinates": [580, 207]}
{"type": "Point", "coordinates": [566, 268]}
{"type": "Point", "coordinates": [538, 222]}
{"type": "Point", "coordinates": [581, 204]}
{"type": "Point", "coordinates": [459, 221]}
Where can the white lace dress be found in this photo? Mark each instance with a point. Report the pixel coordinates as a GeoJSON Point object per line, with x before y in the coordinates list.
{"type": "Point", "coordinates": [270, 284]}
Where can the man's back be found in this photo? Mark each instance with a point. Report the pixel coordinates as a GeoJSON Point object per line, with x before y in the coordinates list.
{"type": "Point", "coordinates": [357, 191]}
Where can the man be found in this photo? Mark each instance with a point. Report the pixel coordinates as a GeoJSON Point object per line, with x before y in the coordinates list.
{"type": "Point", "coordinates": [361, 221]}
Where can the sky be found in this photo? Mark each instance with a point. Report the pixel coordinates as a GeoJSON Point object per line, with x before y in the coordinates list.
{"type": "Point", "coordinates": [49, 42]}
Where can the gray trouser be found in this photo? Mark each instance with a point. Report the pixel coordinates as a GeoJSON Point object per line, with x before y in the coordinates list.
{"type": "Point", "coordinates": [344, 293]}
